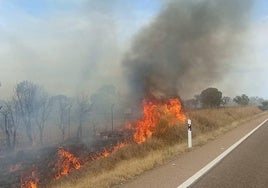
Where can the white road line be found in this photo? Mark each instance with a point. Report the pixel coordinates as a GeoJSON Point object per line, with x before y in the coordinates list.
{"type": "Point", "coordinates": [205, 169]}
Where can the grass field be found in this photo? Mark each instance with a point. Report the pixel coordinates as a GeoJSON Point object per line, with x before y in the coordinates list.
{"type": "Point", "coordinates": [134, 159]}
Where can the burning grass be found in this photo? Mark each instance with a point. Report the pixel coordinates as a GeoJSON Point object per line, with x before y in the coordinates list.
{"type": "Point", "coordinates": [157, 136]}
{"type": "Point", "coordinates": [134, 158]}
{"type": "Point", "coordinates": [158, 118]}
{"type": "Point", "coordinates": [125, 163]}
{"type": "Point", "coordinates": [66, 162]}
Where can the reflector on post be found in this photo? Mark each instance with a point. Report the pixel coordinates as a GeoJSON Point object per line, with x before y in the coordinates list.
{"type": "Point", "coordinates": [189, 133]}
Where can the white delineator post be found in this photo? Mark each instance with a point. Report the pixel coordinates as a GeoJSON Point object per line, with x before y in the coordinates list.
{"type": "Point", "coordinates": [189, 133]}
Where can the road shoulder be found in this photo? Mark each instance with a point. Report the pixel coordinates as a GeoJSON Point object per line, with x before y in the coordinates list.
{"type": "Point", "coordinates": [178, 170]}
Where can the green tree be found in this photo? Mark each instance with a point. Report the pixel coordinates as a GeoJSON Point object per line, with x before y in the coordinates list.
{"type": "Point", "coordinates": [241, 100]}
{"type": "Point", "coordinates": [210, 97]}
{"type": "Point", "coordinates": [264, 105]}
{"type": "Point", "coordinates": [225, 100]}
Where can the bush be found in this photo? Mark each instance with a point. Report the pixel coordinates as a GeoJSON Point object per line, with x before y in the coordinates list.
{"type": "Point", "coordinates": [211, 97]}
{"type": "Point", "coordinates": [241, 100]}
{"type": "Point", "coordinates": [264, 106]}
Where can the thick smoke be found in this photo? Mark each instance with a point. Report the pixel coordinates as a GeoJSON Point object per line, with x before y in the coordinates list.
{"type": "Point", "coordinates": [186, 47]}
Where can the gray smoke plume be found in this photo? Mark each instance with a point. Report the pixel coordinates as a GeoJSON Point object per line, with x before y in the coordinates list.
{"type": "Point", "coordinates": [186, 46]}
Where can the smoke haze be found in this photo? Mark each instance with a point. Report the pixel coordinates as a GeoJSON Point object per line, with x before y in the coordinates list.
{"type": "Point", "coordinates": [77, 46]}
{"type": "Point", "coordinates": [72, 48]}
{"type": "Point", "coordinates": [187, 47]}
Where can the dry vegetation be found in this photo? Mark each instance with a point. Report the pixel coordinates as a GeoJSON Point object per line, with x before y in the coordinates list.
{"type": "Point", "coordinates": [134, 159]}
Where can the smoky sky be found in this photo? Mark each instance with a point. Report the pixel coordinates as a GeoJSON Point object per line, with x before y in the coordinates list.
{"type": "Point", "coordinates": [187, 47]}
{"type": "Point", "coordinates": [181, 47]}
{"type": "Point", "coordinates": [67, 47]}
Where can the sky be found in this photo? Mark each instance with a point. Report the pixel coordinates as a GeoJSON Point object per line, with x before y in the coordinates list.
{"type": "Point", "coordinates": [69, 46]}
{"type": "Point", "coordinates": [255, 70]}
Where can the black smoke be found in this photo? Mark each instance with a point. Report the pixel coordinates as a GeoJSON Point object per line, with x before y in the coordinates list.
{"type": "Point", "coordinates": [186, 46]}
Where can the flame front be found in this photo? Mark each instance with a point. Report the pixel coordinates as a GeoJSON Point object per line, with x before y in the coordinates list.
{"type": "Point", "coordinates": [152, 114]}
{"type": "Point", "coordinates": [29, 184]}
{"type": "Point", "coordinates": [108, 151]}
{"type": "Point", "coordinates": [29, 181]}
{"type": "Point", "coordinates": [66, 162]}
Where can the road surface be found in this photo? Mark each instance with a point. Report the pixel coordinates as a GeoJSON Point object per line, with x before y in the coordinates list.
{"type": "Point", "coordinates": [178, 170]}
{"type": "Point", "coordinates": [246, 166]}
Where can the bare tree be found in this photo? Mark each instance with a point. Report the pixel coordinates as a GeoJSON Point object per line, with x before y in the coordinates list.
{"type": "Point", "coordinates": [69, 121]}
{"type": "Point", "coordinates": [42, 110]}
{"type": "Point", "coordinates": [6, 128]}
{"type": "Point", "coordinates": [83, 109]}
{"type": "Point", "coordinates": [10, 112]}
{"type": "Point", "coordinates": [104, 100]}
{"type": "Point", "coordinates": [64, 106]}
{"type": "Point", "coordinates": [25, 94]}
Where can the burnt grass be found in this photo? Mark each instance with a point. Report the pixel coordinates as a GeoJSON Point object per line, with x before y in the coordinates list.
{"type": "Point", "coordinates": [40, 164]}
{"type": "Point", "coordinates": [205, 121]}
{"type": "Point", "coordinates": [25, 163]}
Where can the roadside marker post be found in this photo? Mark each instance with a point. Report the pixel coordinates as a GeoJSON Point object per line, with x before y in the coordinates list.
{"type": "Point", "coordinates": [210, 165]}
{"type": "Point", "coordinates": [189, 133]}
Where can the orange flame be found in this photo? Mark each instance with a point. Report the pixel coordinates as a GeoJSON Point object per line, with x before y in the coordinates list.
{"type": "Point", "coordinates": [152, 114]}
{"type": "Point", "coordinates": [105, 153]}
{"type": "Point", "coordinates": [119, 146]}
{"type": "Point", "coordinates": [66, 162]}
{"type": "Point", "coordinates": [29, 184]}
{"type": "Point", "coordinates": [29, 181]}
{"type": "Point", "coordinates": [108, 151]}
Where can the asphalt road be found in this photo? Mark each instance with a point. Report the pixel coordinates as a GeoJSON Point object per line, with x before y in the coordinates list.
{"type": "Point", "coordinates": [176, 171]}
{"type": "Point", "coordinates": [246, 166]}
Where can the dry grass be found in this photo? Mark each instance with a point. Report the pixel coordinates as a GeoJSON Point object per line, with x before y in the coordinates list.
{"type": "Point", "coordinates": [211, 119]}
{"type": "Point", "coordinates": [120, 167]}
{"type": "Point", "coordinates": [137, 158]}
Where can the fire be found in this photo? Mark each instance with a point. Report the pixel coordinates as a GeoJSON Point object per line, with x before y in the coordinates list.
{"type": "Point", "coordinates": [29, 184]}
{"type": "Point", "coordinates": [119, 146]}
{"type": "Point", "coordinates": [153, 112]}
{"type": "Point", "coordinates": [157, 116]}
{"type": "Point", "coordinates": [105, 153]}
{"type": "Point", "coordinates": [108, 151]}
{"type": "Point", "coordinates": [29, 181]}
{"type": "Point", "coordinates": [66, 162]}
